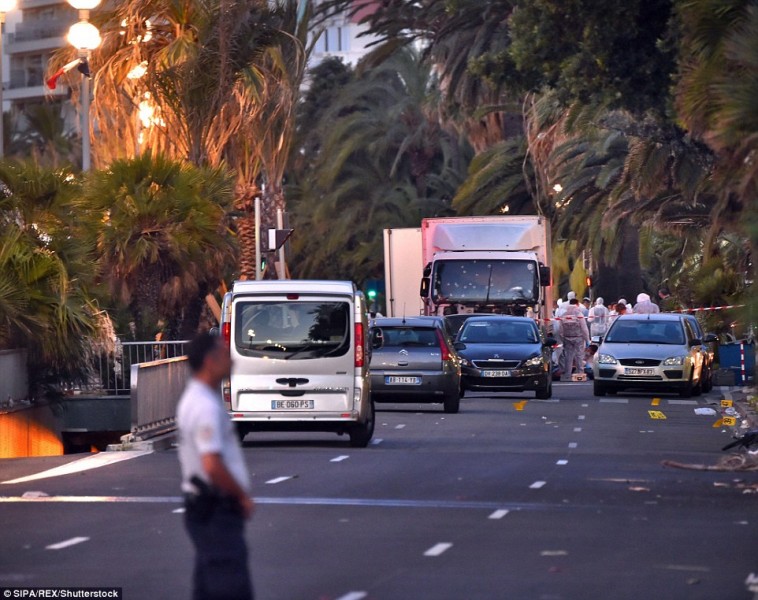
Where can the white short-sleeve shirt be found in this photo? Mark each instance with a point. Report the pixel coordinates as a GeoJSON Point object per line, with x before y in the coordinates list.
{"type": "Point", "coordinates": [205, 428]}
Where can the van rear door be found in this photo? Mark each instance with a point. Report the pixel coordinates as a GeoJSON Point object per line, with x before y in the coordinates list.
{"type": "Point", "coordinates": [293, 356]}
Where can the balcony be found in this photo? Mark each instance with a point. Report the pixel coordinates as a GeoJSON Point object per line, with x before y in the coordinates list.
{"type": "Point", "coordinates": [37, 36]}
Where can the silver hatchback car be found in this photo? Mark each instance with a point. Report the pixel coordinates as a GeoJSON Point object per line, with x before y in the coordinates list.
{"type": "Point", "coordinates": [657, 352]}
{"type": "Point", "coordinates": [413, 360]}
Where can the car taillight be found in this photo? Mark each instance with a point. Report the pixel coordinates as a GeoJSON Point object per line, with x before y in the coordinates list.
{"type": "Point", "coordinates": [443, 346]}
{"type": "Point", "coordinates": [226, 333]}
{"type": "Point", "coordinates": [359, 348]}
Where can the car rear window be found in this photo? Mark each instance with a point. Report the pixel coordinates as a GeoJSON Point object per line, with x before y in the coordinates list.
{"type": "Point", "coordinates": [646, 332]}
{"type": "Point", "coordinates": [410, 336]}
{"type": "Point", "coordinates": [498, 332]}
{"type": "Point", "coordinates": [292, 330]}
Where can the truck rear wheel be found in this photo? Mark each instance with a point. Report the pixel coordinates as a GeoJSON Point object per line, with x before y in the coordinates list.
{"type": "Point", "coordinates": [361, 434]}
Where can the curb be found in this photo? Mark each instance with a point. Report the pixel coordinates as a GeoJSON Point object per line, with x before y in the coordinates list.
{"type": "Point", "coordinates": [162, 442]}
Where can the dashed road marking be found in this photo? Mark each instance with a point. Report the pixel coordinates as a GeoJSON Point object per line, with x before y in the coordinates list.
{"type": "Point", "coordinates": [340, 458]}
{"type": "Point", "coordinates": [499, 514]}
{"type": "Point", "coordinates": [684, 402]}
{"type": "Point", "coordinates": [537, 485]}
{"type": "Point", "coordinates": [577, 429]}
{"type": "Point", "coordinates": [67, 543]}
{"type": "Point", "coordinates": [438, 549]}
{"type": "Point", "coordinates": [573, 445]}
{"type": "Point", "coordinates": [581, 417]}
{"type": "Point", "coordinates": [353, 596]}
{"type": "Point", "coordinates": [562, 462]}
{"type": "Point", "coordinates": [279, 479]}
{"type": "Point", "coordinates": [376, 441]}
{"type": "Point", "coordinates": [614, 401]}
{"type": "Point", "coordinates": [401, 426]}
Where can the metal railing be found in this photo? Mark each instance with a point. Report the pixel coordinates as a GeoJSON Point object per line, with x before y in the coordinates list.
{"type": "Point", "coordinates": [112, 370]}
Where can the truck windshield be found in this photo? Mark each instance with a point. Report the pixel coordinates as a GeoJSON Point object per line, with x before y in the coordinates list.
{"type": "Point", "coordinates": [485, 281]}
{"type": "Point", "coordinates": [291, 330]}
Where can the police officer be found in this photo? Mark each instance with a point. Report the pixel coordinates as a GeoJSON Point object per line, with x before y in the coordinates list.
{"type": "Point", "coordinates": [215, 481]}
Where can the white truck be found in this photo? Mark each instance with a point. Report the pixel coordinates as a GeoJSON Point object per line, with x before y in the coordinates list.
{"type": "Point", "coordinates": [472, 264]}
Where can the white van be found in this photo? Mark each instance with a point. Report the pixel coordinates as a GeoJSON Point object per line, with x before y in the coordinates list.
{"type": "Point", "coordinates": [300, 354]}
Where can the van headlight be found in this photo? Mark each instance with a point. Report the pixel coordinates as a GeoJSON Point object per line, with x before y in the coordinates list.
{"type": "Point", "coordinates": [466, 362]}
{"type": "Point", "coordinates": [535, 361]}
{"type": "Point", "coordinates": [674, 360]}
{"type": "Point", "coordinates": [606, 359]}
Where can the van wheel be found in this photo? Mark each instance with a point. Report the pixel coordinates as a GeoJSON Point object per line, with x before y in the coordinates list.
{"type": "Point", "coordinates": [599, 389]}
{"type": "Point", "coordinates": [242, 431]}
{"type": "Point", "coordinates": [361, 434]}
{"type": "Point", "coordinates": [452, 403]}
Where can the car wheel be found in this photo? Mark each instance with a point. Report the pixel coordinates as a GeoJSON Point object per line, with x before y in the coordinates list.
{"type": "Point", "coordinates": [686, 391]}
{"type": "Point", "coordinates": [452, 403]}
{"type": "Point", "coordinates": [708, 381]}
{"type": "Point", "coordinates": [546, 392]}
{"type": "Point", "coordinates": [361, 434]}
{"type": "Point", "coordinates": [598, 388]}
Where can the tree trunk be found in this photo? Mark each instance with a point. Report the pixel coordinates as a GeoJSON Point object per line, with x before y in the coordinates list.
{"type": "Point", "coordinates": [621, 278]}
{"type": "Point", "coordinates": [244, 223]}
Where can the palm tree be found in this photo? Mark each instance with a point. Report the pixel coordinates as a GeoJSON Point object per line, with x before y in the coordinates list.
{"type": "Point", "coordinates": [215, 83]}
{"type": "Point", "coordinates": [347, 190]}
{"type": "Point", "coordinates": [162, 239]}
{"type": "Point", "coordinates": [45, 271]}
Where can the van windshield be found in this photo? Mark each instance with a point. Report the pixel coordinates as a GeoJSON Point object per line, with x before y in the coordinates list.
{"type": "Point", "coordinates": [292, 330]}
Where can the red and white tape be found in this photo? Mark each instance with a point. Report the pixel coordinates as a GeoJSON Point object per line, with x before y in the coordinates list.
{"type": "Point", "coordinates": [707, 308]}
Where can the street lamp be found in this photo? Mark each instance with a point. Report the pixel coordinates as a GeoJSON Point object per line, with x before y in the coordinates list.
{"type": "Point", "coordinates": [85, 37]}
{"type": "Point", "coordinates": [5, 7]}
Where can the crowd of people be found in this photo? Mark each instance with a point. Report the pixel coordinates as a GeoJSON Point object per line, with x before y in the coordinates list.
{"type": "Point", "coordinates": [575, 323]}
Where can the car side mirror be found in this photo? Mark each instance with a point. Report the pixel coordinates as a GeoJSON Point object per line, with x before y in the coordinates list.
{"type": "Point", "coordinates": [459, 346]}
{"type": "Point", "coordinates": [710, 338]}
{"type": "Point", "coordinates": [424, 291]}
{"type": "Point", "coordinates": [214, 331]}
{"type": "Point", "coordinates": [597, 339]}
{"type": "Point", "coordinates": [544, 273]}
{"type": "Point", "coordinates": [696, 342]}
{"type": "Point", "coordinates": [377, 338]}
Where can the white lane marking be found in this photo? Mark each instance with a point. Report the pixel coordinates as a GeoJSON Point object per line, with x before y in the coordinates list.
{"type": "Point", "coordinates": [91, 462]}
{"type": "Point", "coordinates": [585, 405]}
{"type": "Point", "coordinates": [685, 402]}
{"type": "Point", "coordinates": [562, 462]}
{"type": "Point", "coordinates": [573, 445]}
{"type": "Point", "coordinates": [340, 458]}
{"type": "Point", "coordinates": [548, 401]}
{"type": "Point", "coordinates": [614, 400]}
{"type": "Point", "coordinates": [376, 441]}
{"type": "Point", "coordinates": [401, 426]}
{"type": "Point", "coordinates": [581, 417]}
{"type": "Point", "coordinates": [537, 485]}
{"type": "Point", "coordinates": [577, 429]}
{"type": "Point", "coordinates": [279, 479]}
{"type": "Point", "coordinates": [67, 543]}
{"type": "Point", "coordinates": [353, 596]}
{"type": "Point", "coordinates": [554, 553]}
{"type": "Point", "coordinates": [499, 514]}
{"type": "Point", "coordinates": [438, 549]}
{"type": "Point", "coordinates": [179, 511]}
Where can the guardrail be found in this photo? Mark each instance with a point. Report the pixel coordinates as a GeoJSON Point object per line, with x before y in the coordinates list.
{"type": "Point", "coordinates": [155, 390]}
{"type": "Point", "coordinates": [112, 371]}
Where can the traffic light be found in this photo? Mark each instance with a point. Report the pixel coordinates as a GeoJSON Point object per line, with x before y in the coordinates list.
{"type": "Point", "coordinates": [371, 293]}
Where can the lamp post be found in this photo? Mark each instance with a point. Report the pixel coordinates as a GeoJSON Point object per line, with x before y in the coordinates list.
{"type": "Point", "coordinates": [5, 7]}
{"type": "Point", "coordinates": [85, 37]}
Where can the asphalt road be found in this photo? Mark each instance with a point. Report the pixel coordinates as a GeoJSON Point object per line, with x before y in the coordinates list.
{"type": "Point", "coordinates": [546, 500]}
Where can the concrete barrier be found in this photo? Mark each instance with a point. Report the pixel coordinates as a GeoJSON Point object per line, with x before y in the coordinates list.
{"type": "Point", "coordinates": [14, 383]}
{"type": "Point", "coordinates": [155, 390]}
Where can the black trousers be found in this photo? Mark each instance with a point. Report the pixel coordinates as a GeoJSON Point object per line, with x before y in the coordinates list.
{"type": "Point", "coordinates": [221, 570]}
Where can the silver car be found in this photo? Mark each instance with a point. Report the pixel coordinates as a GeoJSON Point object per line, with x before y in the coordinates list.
{"type": "Point", "coordinates": [413, 360]}
{"type": "Point", "coordinates": [657, 352]}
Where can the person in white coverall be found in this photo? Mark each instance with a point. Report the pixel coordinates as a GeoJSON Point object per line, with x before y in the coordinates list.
{"type": "Point", "coordinates": [598, 318]}
{"type": "Point", "coordinates": [645, 306]}
{"type": "Point", "coordinates": [576, 336]}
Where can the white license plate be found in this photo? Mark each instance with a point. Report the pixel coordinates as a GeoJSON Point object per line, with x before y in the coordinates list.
{"type": "Point", "coordinates": [629, 371]}
{"type": "Point", "coordinates": [496, 373]}
{"type": "Point", "coordinates": [395, 380]}
{"type": "Point", "coordinates": [292, 404]}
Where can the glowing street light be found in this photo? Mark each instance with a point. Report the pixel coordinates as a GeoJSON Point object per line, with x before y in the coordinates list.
{"type": "Point", "coordinates": [85, 37]}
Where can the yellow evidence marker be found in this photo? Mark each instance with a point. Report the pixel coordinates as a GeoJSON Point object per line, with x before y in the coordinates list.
{"type": "Point", "coordinates": [655, 402]}
{"type": "Point", "coordinates": [656, 414]}
{"type": "Point", "coordinates": [520, 405]}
